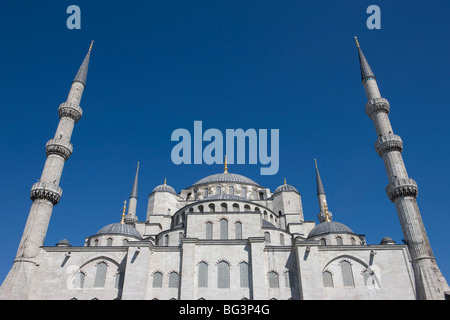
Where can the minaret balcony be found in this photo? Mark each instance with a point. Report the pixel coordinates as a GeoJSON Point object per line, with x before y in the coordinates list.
{"type": "Point", "coordinates": [402, 188]}
{"type": "Point", "coordinates": [390, 142]}
{"type": "Point", "coordinates": [71, 110]}
{"type": "Point", "coordinates": [59, 147]}
{"type": "Point", "coordinates": [47, 191]}
{"type": "Point", "coordinates": [377, 105]}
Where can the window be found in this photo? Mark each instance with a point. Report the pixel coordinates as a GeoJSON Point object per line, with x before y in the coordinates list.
{"type": "Point", "coordinates": [267, 236]}
{"type": "Point", "coordinates": [244, 275]}
{"type": "Point", "coordinates": [100, 275]}
{"type": "Point", "coordinates": [79, 280]}
{"type": "Point", "coordinates": [261, 196]}
{"type": "Point", "coordinates": [174, 280]}
{"type": "Point", "coordinates": [323, 242]}
{"type": "Point", "coordinates": [232, 190]}
{"type": "Point", "coordinates": [218, 190]}
{"type": "Point", "coordinates": [247, 207]}
{"type": "Point", "coordinates": [281, 239]}
{"type": "Point", "coordinates": [209, 230]}
{"type": "Point", "coordinates": [273, 280]}
{"type": "Point", "coordinates": [200, 208]}
{"type": "Point", "coordinates": [244, 192]}
{"type": "Point", "coordinates": [339, 241]}
{"type": "Point", "coordinates": [224, 207]}
{"type": "Point", "coordinates": [353, 241]}
{"type": "Point", "coordinates": [203, 275]}
{"type": "Point", "coordinates": [166, 240]}
{"type": "Point", "coordinates": [235, 207]}
{"type": "Point", "coordinates": [95, 242]}
{"type": "Point", "coordinates": [205, 193]}
{"type": "Point", "coordinates": [223, 229]}
{"type": "Point", "coordinates": [212, 207]}
{"type": "Point", "coordinates": [125, 242]}
{"type": "Point", "coordinates": [180, 236]}
{"type": "Point", "coordinates": [238, 230]}
{"type": "Point", "coordinates": [327, 278]}
{"type": "Point", "coordinates": [109, 242]}
{"type": "Point", "coordinates": [223, 272]}
{"type": "Point", "coordinates": [157, 280]}
{"type": "Point", "coordinates": [347, 274]}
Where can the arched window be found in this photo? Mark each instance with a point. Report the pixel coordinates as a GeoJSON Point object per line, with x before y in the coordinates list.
{"type": "Point", "coordinates": [191, 209]}
{"type": "Point", "coordinates": [209, 230]}
{"type": "Point", "coordinates": [238, 230]}
{"type": "Point", "coordinates": [100, 275]}
{"type": "Point", "coordinates": [257, 209]}
{"type": "Point", "coordinates": [125, 242]}
{"type": "Point", "coordinates": [244, 273]}
{"type": "Point", "coordinates": [202, 275]}
{"type": "Point", "coordinates": [174, 280]}
{"type": "Point", "coordinates": [347, 274]}
{"type": "Point", "coordinates": [212, 207]}
{"type": "Point", "coordinates": [281, 239]}
{"type": "Point", "coordinates": [353, 241]}
{"type": "Point", "coordinates": [180, 236]}
{"type": "Point", "coordinates": [232, 190]}
{"type": "Point", "coordinates": [157, 280]}
{"type": "Point", "coordinates": [95, 242]}
{"type": "Point", "coordinates": [261, 196]}
{"type": "Point", "coordinates": [166, 240]}
{"type": "Point", "coordinates": [223, 229]}
{"type": "Point", "coordinates": [224, 207]}
{"type": "Point", "coordinates": [339, 241]}
{"type": "Point", "coordinates": [188, 196]}
{"type": "Point", "coordinates": [267, 237]}
{"type": "Point", "coordinates": [265, 215]}
{"type": "Point", "coordinates": [274, 281]}
{"type": "Point", "coordinates": [218, 190]}
{"type": "Point", "coordinates": [244, 192]}
{"type": "Point", "coordinates": [195, 194]}
{"type": "Point", "coordinates": [109, 242]}
{"type": "Point", "coordinates": [79, 280]}
{"type": "Point", "coordinates": [168, 212]}
{"type": "Point", "coordinates": [205, 193]}
{"type": "Point", "coordinates": [223, 272]}
{"type": "Point", "coordinates": [200, 208]}
{"type": "Point", "coordinates": [235, 207]}
{"type": "Point", "coordinates": [247, 207]}
{"type": "Point", "coordinates": [323, 242]}
{"type": "Point", "coordinates": [327, 278]}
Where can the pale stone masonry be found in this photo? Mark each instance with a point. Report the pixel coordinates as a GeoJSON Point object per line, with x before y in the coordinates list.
{"type": "Point", "coordinates": [223, 237]}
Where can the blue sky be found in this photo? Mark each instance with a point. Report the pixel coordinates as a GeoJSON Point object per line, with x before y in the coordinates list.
{"type": "Point", "coordinates": [157, 66]}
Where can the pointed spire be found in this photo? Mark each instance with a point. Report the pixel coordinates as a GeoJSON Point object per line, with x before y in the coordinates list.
{"type": "Point", "coordinates": [82, 72]}
{"type": "Point", "coordinates": [366, 71]}
{"type": "Point", "coordinates": [320, 189]}
{"type": "Point", "coordinates": [123, 212]}
{"type": "Point", "coordinates": [134, 191]}
{"type": "Point", "coordinates": [226, 165]}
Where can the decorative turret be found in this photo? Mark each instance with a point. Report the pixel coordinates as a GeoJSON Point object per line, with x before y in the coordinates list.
{"type": "Point", "coordinates": [402, 190]}
{"type": "Point", "coordinates": [131, 218]}
{"type": "Point", "coordinates": [46, 193]}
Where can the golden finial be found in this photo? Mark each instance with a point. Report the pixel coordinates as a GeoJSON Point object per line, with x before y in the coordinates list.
{"type": "Point", "coordinates": [165, 181]}
{"type": "Point", "coordinates": [92, 43]}
{"type": "Point", "coordinates": [123, 212]}
{"type": "Point", "coordinates": [226, 165]}
{"type": "Point", "coordinates": [327, 214]}
{"type": "Point", "coordinates": [285, 181]}
{"type": "Point", "coordinates": [357, 43]}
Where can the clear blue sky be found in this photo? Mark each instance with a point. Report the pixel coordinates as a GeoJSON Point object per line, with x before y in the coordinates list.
{"type": "Point", "coordinates": [160, 65]}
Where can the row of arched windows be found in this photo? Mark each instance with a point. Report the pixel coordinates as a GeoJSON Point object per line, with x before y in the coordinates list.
{"type": "Point", "coordinates": [223, 275]}
{"type": "Point", "coordinates": [223, 230]}
{"type": "Point", "coordinates": [174, 280]}
{"type": "Point", "coordinates": [100, 277]}
{"type": "Point", "coordinates": [231, 190]}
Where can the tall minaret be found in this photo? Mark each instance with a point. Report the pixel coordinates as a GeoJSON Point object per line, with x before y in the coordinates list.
{"type": "Point", "coordinates": [46, 193]}
{"type": "Point", "coordinates": [402, 190]}
{"type": "Point", "coordinates": [131, 218]}
{"type": "Point", "coordinates": [324, 215]}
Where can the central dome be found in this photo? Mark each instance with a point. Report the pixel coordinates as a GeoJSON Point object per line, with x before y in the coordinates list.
{"type": "Point", "coordinates": [226, 177]}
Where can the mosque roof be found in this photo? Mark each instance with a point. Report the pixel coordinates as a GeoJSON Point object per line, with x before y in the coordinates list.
{"type": "Point", "coordinates": [285, 187]}
{"type": "Point", "coordinates": [120, 229]}
{"type": "Point", "coordinates": [226, 177]}
{"type": "Point", "coordinates": [329, 227]}
{"type": "Point", "coordinates": [164, 188]}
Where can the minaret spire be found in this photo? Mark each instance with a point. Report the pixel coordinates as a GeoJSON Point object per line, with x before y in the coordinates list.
{"type": "Point", "coordinates": [402, 190]}
{"type": "Point", "coordinates": [324, 215]}
{"type": "Point", "coordinates": [46, 193]}
{"type": "Point", "coordinates": [131, 216]}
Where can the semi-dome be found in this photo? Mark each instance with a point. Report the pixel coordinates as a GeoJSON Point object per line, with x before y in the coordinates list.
{"type": "Point", "coordinates": [164, 188]}
{"type": "Point", "coordinates": [387, 240]}
{"type": "Point", "coordinates": [285, 187]}
{"type": "Point", "coordinates": [226, 177]}
{"type": "Point", "coordinates": [63, 243]}
{"type": "Point", "coordinates": [120, 229]}
{"type": "Point", "coordinates": [329, 227]}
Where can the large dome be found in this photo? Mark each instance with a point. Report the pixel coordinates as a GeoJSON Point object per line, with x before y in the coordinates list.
{"type": "Point", "coordinates": [226, 177]}
{"type": "Point", "coordinates": [121, 229]}
{"type": "Point", "coordinates": [329, 227]}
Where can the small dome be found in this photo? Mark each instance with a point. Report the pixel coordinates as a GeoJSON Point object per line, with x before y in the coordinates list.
{"type": "Point", "coordinates": [226, 177]}
{"type": "Point", "coordinates": [285, 187]}
{"type": "Point", "coordinates": [164, 188]}
{"type": "Point", "coordinates": [329, 227]}
{"type": "Point", "coordinates": [121, 229]}
{"type": "Point", "coordinates": [387, 240]}
{"type": "Point", "coordinates": [63, 243]}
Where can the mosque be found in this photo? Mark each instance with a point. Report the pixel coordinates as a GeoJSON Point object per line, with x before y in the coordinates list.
{"type": "Point", "coordinates": [225, 237]}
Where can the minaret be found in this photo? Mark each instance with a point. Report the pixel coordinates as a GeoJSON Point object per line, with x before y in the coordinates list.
{"type": "Point", "coordinates": [402, 190]}
{"type": "Point", "coordinates": [131, 218]}
{"type": "Point", "coordinates": [324, 215]}
{"type": "Point", "coordinates": [46, 193]}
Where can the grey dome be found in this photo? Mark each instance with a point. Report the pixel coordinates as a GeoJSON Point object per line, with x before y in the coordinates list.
{"type": "Point", "coordinates": [387, 240]}
{"type": "Point", "coordinates": [226, 177]}
{"type": "Point", "coordinates": [329, 227]}
{"type": "Point", "coordinates": [285, 187]}
{"type": "Point", "coordinates": [63, 243]}
{"type": "Point", "coordinates": [121, 229]}
{"type": "Point", "coordinates": [164, 188]}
